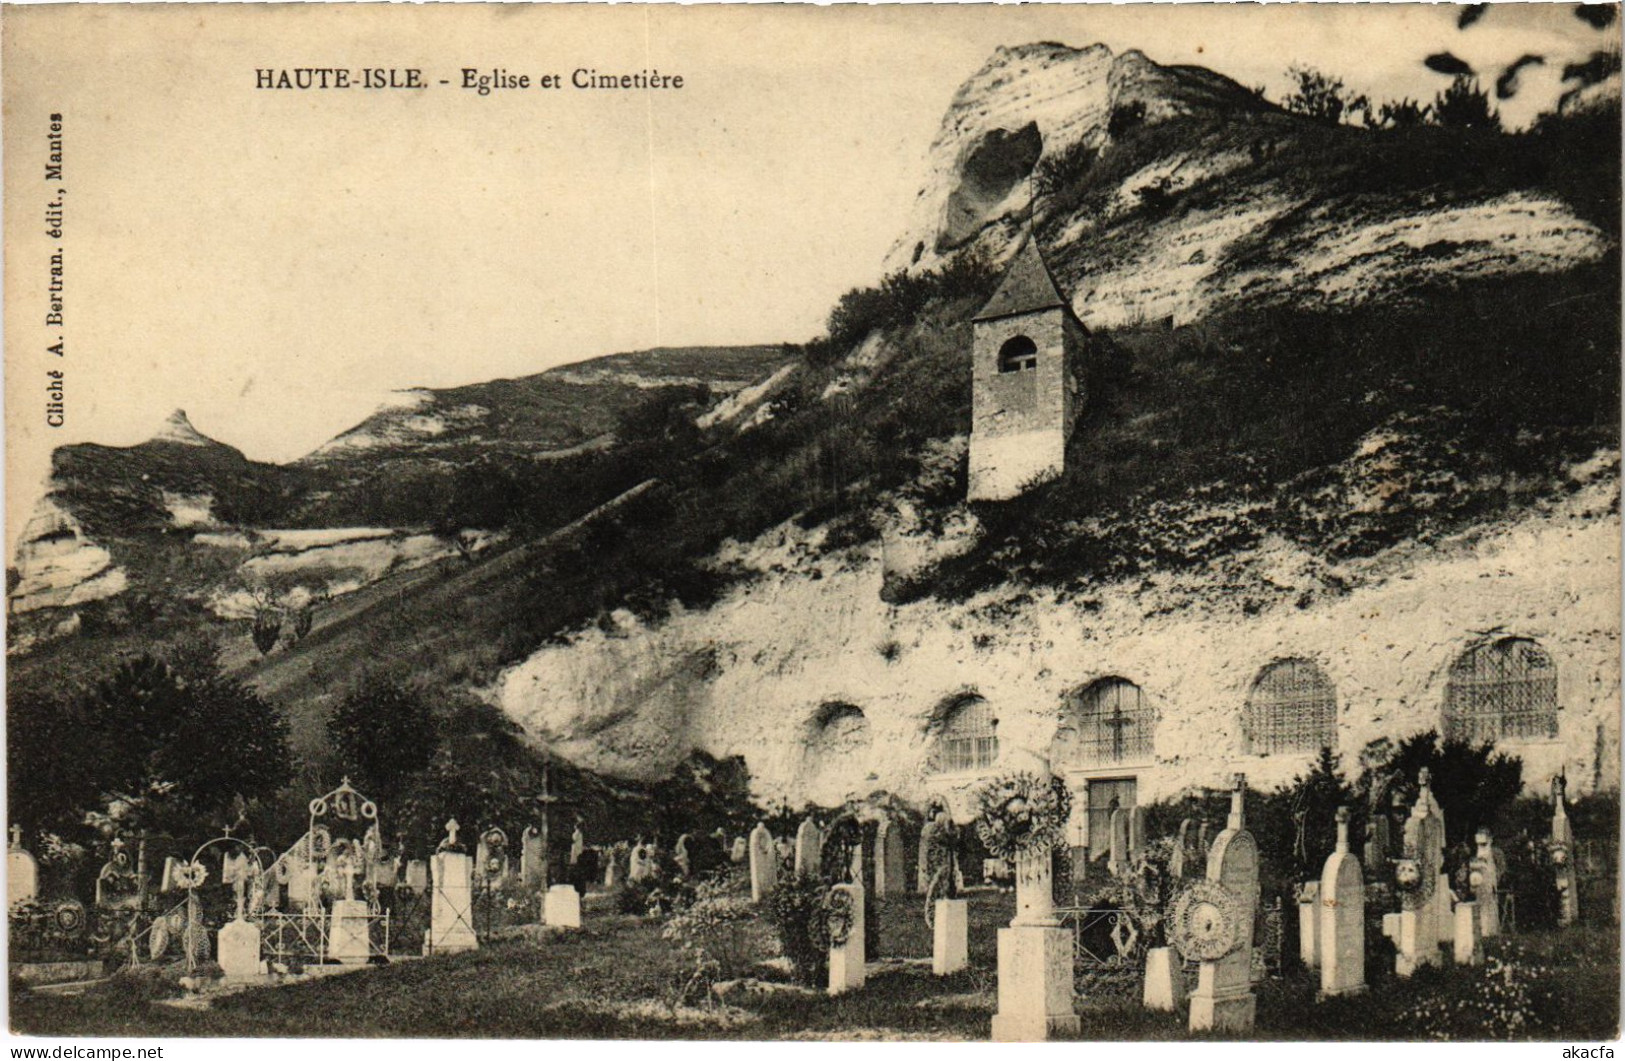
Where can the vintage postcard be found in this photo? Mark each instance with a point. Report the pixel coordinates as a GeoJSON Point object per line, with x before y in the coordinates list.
{"type": "Point", "coordinates": [946, 522]}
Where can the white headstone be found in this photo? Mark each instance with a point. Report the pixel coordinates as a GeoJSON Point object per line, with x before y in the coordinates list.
{"type": "Point", "coordinates": [1486, 885]}
{"type": "Point", "coordinates": [238, 949]}
{"type": "Point", "coordinates": [1466, 942]}
{"type": "Point", "coordinates": [950, 932]}
{"type": "Point", "coordinates": [1562, 854]}
{"type": "Point", "coordinates": [1309, 924]}
{"type": "Point", "coordinates": [348, 932]}
{"type": "Point", "coordinates": [889, 859]}
{"type": "Point", "coordinates": [1224, 1000]}
{"type": "Point", "coordinates": [530, 858]}
{"type": "Point", "coordinates": [809, 848]}
{"type": "Point", "coordinates": [1118, 858]}
{"type": "Point", "coordinates": [764, 875]}
{"type": "Point", "coordinates": [1164, 980]}
{"type": "Point", "coordinates": [578, 845]}
{"type": "Point", "coordinates": [451, 911]}
{"type": "Point", "coordinates": [1342, 918]}
{"type": "Point", "coordinates": [847, 970]}
{"type": "Point", "coordinates": [739, 851]}
{"type": "Point", "coordinates": [679, 855]}
{"type": "Point", "coordinates": [22, 871]}
{"type": "Point", "coordinates": [561, 907]}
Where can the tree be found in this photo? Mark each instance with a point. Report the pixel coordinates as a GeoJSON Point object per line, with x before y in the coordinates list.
{"type": "Point", "coordinates": [1464, 105]}
{"type": "Point", "coordinates": [385, 733]}
{"type": "Point", "coordinates": [1322, 97]}
{"type": "Point", "coordinates": [176, 744]}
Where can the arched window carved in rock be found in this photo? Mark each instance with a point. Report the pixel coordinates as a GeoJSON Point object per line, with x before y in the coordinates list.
{"type": "Point", "coordinates": [967, 736]}
{"type": "Point", "coordinates": [1292, 707]}
{"type": "Point", "coordinates": [1501, 690]}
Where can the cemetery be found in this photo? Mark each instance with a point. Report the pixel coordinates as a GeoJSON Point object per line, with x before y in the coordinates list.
{"type": "Point", "coordinates": [1406, 904]}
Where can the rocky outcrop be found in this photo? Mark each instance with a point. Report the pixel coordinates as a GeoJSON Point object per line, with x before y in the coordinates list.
{"type": "Point", "coordinates": [57, 566]}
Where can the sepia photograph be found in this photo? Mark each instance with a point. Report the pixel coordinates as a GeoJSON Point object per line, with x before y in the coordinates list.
{"type": "Point", "coordinates": [935, 522]}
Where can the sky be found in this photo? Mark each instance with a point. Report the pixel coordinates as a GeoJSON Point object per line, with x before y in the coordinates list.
{"type": "Point", "coordinates": [276, 263]}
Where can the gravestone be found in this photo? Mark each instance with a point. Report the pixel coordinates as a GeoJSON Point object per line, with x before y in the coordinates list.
{"type": "Point", "coordinates": [1204, 845]}
{"type": "Point", "coordinates": [1035, 960]}
{"type": "Point", "coordinates": [1118, 863]}
{"type": "Point", "coordinates": [679, 855]}
{"type": "Point", "coordinates": [889, 860]}
{"type": "Point", "coordinates": [739, 851]}
{"type": "Point", "coordinates": [238, 949]}
{"type": "Point", "coordinates": [1419, 876]}
{"type": "Point", "coordinates": [809, 848]}
{"type": "Point", "coordinates": [1183, 862]}
{"type": "Point", "coordinates": [417, 875]}
{"type": "Point", "coordinates": [1485, 880]}
{"type": "Point", "coordinates": [950, 933]}
{"type": "Point", "coordinates": [922, 868]}
{"type": "Point", "coordinates": [22, 871]}
{"type": "Point", "coordinates": [451, 909]}
{"type": "Point", "coordinates": [561, 907]}
{"type": "Point", "coordinates": [637, 863]}
{"type": "Point", "coordinates": [1164, 980]}
{"type": "Point", "coordinates": [531, 862]}
{"type": "Point", "coordinates": [1342, 918]}
{"type": "Point", "coordinates": [764, 876]}
{"type": "Point", "coordinates": [578, 845]}
{"type": "Point", "coordinates": [1378, 831]}
{"type": "Point", "coordinates": [349, 928]}
{"type": "Point", "coordinates": [1466, 940]}
{"type": "Point", "coordinates": [1562, 856]}
{"type": "Point", "coordinates": [1309, 924]}
{"type": "Point", "coordinates": [1214, 923]}
{"type": "Point", "coordinates": [847, 967]}
{"type": "Point", "coordinates": [1136, 833]}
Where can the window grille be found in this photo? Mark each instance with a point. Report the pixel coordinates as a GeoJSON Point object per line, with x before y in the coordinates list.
{"type": "Point", "coordinates": [1018, 355]}
{"type": "Point", "coordinates": [1292, 708]}
{"type": "Point", "coordinates": [1504, 689]}
{"type": "Point", "coordinates": [969, 740]}
{"type": "Point", "coordinates": [1115, 725]}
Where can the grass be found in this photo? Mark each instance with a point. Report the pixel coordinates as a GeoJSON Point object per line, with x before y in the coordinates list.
{"type": "Point", "coordinates": [613, 980]}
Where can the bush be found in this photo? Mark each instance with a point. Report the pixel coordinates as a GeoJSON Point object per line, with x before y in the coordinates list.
{"type": "Point", "coordinates": [1322, 97]}
{"type": "Point", "coordinates": [1464, 105]}
{"type": "Point", "coordinates": [1125, 116]}
{"type": "Point", "coordinates": [1513, 996]}
{"type": "Point", "coordinates": [717, 933]}
{"type": "Point", "coordinates": [1057, 172]}
{"type": "Point", "coordinates": [797, 910]}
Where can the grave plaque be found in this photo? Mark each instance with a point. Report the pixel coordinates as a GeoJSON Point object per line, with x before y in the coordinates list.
{"type": "Point", "coordinates": [764, 875]}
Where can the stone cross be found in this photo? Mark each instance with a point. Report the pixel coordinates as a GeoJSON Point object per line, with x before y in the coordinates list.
{"type": "Point", "coordinates": [1562, 854]}
{"type": "Point", "coordinates": [810, 849]}
{"type": "Point", "coordinates": [1224, 1000]}
{"type": "Point", "coordinates": [16, 836]}
{"type": "Point", "coordinates": [764, 875]}
{"type": "Point", "coordinates": [1485, 880]}
{"type": "Point", "coordinates": [1342, 918]}
{"type": "Point", "coordinates": [451, 909]}
{"type": "Point", "coordinates": [450, 841]}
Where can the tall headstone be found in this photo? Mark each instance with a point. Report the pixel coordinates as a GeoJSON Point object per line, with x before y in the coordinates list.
{"type": "Point", "coordinates": [578, 845]}
{"type": "Point", "coordinates": [1183, 862]}
{"type": "Point", "coordinates": [1562, 854]}
{"type": "Point", "coordinates": [809, 848]}
{"type": "Point", "coordinates": [451, 909]}
{"type": "Point", "coordinates": [22, 871]}
{"type": "Point", "coordinates": [764, 876]}
{"type": "Point", "coordinates": [1419, 876]}
{"type": "Point", "coordinates": [1342, 918]}
{"type": "Point", "coordinates": [1136, 832]}
{"type": "Point", "coordinates": [1204, 843]}
{"type": "Point", "coordinates": [847, 967]}
{"type": "Point", "coordinates": [531, 862]}
{"type": "Point", "coordinates": [889, 860]}
{"type": "Point", "coordinates": [1378, 832]}
{"type": "Point", "coordinates": [1485, 879]}
{"type": "Point", "coordinates": [922, 868]}
{"type": "Point", "coordinates": [1164, 980]}
{"type": "Point", "coordinates": [1309, 924]}
{"type": "Point", "coordinates": [1118, 863]}
{"type": "Point", "coordinates": [1215, 923]}
{"type": "Point", "coordinates": [1466, 940]}
{"type": "Point", "coordinates": [679, 855]}
{"type": "Point", "coordinates": [1035, 960]}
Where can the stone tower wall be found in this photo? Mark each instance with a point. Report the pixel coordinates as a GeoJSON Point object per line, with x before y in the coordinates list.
{"type": "Point", "coordinates": [1020, 421]}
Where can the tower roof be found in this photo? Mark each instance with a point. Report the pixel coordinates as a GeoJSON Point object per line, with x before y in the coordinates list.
{"type": "Point", "coordinates": [1027, 286]}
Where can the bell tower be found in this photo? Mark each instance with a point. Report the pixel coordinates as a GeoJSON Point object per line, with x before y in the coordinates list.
{"type": "Point", "coordinates": [1024, 392]}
